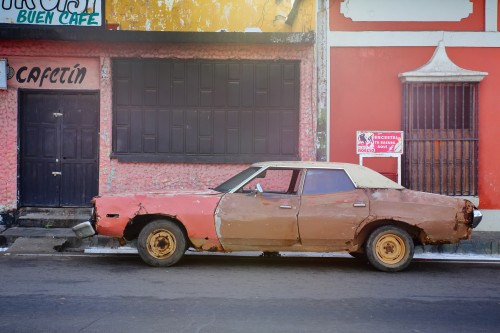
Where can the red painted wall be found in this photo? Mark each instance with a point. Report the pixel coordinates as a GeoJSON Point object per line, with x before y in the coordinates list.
{"type": "Point", "coordinates": [366, 94]}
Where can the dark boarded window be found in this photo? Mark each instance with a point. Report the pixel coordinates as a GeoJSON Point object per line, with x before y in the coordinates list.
{"type": "Point", "coordinates": [204, 111]}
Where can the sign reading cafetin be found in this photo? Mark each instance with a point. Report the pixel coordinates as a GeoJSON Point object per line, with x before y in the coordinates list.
{"type": "Point", "coordinates": [379, 142]}
{"type": "Point", "coordinates": [53, 73]}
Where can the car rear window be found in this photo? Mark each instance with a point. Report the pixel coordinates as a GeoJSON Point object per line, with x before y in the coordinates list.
{"type": "Point", "coordinates": [322, 181]}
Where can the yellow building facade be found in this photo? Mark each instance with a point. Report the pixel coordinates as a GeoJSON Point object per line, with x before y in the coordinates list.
{"type": "Point", "coordinates": [212, 15]}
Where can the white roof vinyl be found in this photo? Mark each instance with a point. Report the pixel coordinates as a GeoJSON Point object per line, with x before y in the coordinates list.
{"type": "Point", "coordinates": [362, 177]}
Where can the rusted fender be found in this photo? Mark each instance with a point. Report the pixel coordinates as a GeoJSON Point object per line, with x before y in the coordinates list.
{"type": "Point", "coordinates": [443, 219]}
{"type": "Point", "coordinates": [195, 210]}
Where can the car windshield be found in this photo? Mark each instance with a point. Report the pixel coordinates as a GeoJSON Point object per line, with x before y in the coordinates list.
{"type": "Point", "coordinates": [232, 182]}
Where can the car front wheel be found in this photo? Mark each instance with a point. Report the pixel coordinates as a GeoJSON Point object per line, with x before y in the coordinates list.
{"type": "Point", "coordinates": [389, 249]}
{"type": "Point", "coordinates": [161, 243]}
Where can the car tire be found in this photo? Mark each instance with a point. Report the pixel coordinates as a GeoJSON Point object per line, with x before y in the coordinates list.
{"type": "Point", "coordinates": [161, 243]}
{"type": "Point", "coordinates": [389, 249]}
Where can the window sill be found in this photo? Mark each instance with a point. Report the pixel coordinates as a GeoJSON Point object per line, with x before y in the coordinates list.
{"type": "Point", "coordinates": [210, 159]}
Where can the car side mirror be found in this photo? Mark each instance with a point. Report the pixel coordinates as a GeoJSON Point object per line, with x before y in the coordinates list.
{"type": "Point", "coordinates": [258, 188]}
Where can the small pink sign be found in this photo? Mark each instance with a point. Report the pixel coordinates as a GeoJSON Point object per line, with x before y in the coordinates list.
{"type": "Point", "coordinates": [379, 142]}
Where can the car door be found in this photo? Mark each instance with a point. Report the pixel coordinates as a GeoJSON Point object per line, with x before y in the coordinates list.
{"type": "Point", "coordinates": [262, 221]}
{"type": "Point", "coordinates": [331, 210]}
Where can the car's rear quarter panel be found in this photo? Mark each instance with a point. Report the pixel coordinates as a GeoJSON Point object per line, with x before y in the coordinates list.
{"type": "Point", "coordinates": [441, 218]}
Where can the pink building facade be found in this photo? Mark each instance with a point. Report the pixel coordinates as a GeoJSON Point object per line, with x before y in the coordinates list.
{"type": "Point", "coordinates": [41, 73]}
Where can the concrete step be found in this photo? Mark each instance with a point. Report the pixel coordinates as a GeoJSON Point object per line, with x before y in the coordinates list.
{"type": "Point", "coordinates": [37, 217]}
{"type": "Point", "coordinates": [46, 240]}
{"type": "Point", "coordinates": [65, 234]}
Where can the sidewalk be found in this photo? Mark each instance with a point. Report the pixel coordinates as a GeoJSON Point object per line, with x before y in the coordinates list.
{"type": "Point", "coordinates": [54, 240]}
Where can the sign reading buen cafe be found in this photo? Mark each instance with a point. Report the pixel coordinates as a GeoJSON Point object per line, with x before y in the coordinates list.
{"type": "Point", "coordinates": [87, 13]}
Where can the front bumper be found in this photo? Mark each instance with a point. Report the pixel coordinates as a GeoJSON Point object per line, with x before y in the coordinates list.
{"type": "Point", "coordinates": [477, 217]}
{"type": "Point", "coordinates": [84, 230]}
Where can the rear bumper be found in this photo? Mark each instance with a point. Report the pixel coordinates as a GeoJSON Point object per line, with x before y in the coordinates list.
{"type": "Point", "coordinates": [478, 216]}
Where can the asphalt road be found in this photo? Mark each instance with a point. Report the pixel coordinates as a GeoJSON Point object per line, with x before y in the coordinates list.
{"type": "Point", "coordinates": [244, 294]}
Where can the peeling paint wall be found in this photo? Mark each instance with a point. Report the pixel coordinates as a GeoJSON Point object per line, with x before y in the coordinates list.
{"type": "Point", "coordinates": [213, 15]}
{"type": "Point", "coordinates": [306, 17]}
{"type": "Point", "coordinates": [117, 177]}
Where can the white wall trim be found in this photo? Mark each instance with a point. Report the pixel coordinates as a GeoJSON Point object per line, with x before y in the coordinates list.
{"type": "Point", "coordinates": [406, 10]}
{"type": "Point", "coordinates": [412, 38]}
{"type": "Point", "coordinates": [490, 15]}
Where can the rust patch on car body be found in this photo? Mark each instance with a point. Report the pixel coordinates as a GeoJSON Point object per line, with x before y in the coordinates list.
{"type": "Point", "coordinates": [441, 219]}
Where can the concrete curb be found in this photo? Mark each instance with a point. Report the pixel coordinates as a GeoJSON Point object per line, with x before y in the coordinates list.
{"type": "Point", "coordinates": [54, 240]}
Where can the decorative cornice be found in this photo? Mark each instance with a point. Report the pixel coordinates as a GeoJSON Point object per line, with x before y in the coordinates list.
{"type": "Point", "coordinates": [440, 68]}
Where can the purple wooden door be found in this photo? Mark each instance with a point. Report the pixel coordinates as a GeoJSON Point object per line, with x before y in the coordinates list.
{"type": "Point", "coordinates": [59, 148]}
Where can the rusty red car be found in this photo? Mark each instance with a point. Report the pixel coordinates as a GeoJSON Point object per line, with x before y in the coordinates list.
{"type": "Point", "coordinates": [287, 206]}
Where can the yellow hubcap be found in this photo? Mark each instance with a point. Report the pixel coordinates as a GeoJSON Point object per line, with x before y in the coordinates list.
{"type": "Point", "coordinates": [390, 249]}
{"type": "Point", "coordinates": [161, 244]}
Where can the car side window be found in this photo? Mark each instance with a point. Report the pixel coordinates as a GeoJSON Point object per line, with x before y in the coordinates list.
{"type": "Point", "coordinates": [281, 181]}
{"type": "Point", "coordinates": [322, 181]}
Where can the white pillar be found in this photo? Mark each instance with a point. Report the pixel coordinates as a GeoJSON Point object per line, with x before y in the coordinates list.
{"type": "Point", "coordinates": [490, 15]}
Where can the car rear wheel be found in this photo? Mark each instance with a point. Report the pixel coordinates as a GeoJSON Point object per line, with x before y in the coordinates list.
{"type": "Point", "coordinates": [161, 243]}
{"type": "Point", "coordinates": [389, 249]}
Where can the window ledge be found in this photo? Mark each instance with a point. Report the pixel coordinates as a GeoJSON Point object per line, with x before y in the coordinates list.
{"type": "Point", "coordinates": [171, 158]}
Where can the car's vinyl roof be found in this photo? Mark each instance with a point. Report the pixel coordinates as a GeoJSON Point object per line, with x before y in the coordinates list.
{"type": "Point", "coordinates": [362, 177]}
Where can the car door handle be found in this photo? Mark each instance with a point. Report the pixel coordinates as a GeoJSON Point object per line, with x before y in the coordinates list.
{"type": "Point", "coordinates": [56, 173]}
{"type": "Point", "coordinates": [359, 204]}
{"type": "Point", "coordinates": [286, 207]}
